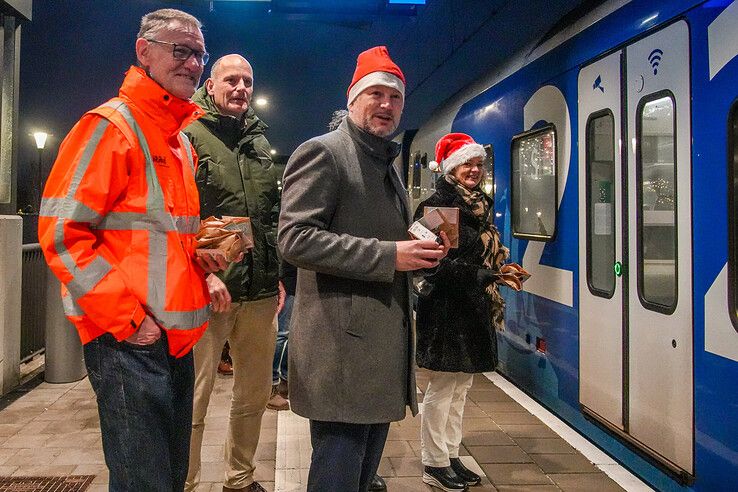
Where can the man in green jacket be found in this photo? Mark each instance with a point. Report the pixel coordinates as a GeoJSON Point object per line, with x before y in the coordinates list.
{"type": "Point", "coordinates": [234, 178]}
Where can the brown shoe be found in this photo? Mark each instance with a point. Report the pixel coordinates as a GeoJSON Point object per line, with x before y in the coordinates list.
{"type": "Point", "coordinates": [283, 389]}
{"type": "Point", "coordinates": [225, 368]}
{"type": "Point", "coordinates": [277, 401]}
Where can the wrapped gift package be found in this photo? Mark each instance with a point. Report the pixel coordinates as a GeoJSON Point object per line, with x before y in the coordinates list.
{"type": "Point", "coordinates": [227, 237]}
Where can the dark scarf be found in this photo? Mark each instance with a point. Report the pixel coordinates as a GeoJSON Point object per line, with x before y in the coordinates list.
{"type": "Point", "coordinates": [494, 254]}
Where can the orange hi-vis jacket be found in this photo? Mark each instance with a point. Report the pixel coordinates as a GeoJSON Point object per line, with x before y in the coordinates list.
{"type": "Point", "coordinates": [119, 216]}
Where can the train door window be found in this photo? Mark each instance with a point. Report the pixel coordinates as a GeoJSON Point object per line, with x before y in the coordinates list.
{"type": "Point", "coordinates": [600, 169]}
{"type": "Point", "coordinates": [415, 181]}
{"type": "Point", "coordinates": [733, 214]}
{"type": "Point", "coordinates": [656, 192]}
{"type": "Point", "coordinates": [488, 184]}
{"type": "Point", "coordinates": [533, 184]}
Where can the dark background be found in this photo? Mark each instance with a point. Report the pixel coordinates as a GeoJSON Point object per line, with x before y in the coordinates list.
{"type": "Point", "coordinates": [74, 54]}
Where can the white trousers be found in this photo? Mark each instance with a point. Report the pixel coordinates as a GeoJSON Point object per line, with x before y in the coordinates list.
{"type": "Point", "coordinates": [443, 411]}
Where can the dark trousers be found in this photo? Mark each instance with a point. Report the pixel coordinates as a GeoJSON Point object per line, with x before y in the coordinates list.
{"type": "Point", "coordinates": [345, 456]}
{"type": "Point", "coordinates": [279, 366]}
{"type": "Point", "coordinates": [144, 398]}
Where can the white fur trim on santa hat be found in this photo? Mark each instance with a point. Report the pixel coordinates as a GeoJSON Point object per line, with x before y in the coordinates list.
{"type": "Point", "coordinates": [434, 166]}
{"type": "Point", "coordinates": [376, 78]}
{"type": "Point", "coordinates": [464, 154]}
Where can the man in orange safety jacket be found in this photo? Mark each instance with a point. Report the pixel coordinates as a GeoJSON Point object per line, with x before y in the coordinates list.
{"type": "Point", "coordinates": [117, 226]}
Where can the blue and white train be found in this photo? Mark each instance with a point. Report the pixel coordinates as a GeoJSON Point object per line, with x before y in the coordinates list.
{"type": "Point", "coordinates": [613, 147]}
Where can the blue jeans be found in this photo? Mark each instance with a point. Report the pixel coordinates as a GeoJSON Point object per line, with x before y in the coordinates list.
{"type": "Point", "coordinates": [279, 366]}
{"type": "Point", "coordinates": [345, 456]}
{"type": "Point", "coordinates": [144, 398]}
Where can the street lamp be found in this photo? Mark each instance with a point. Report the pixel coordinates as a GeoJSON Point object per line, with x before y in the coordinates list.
{"type": "Point", "coordinates": [40, 138]}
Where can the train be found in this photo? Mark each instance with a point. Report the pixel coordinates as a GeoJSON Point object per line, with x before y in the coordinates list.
{"type": "Point", "coordinates": [613, 164]}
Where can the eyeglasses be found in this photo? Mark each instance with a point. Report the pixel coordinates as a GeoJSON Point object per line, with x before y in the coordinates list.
{"type": "Point", "coordinates": [183, 53]}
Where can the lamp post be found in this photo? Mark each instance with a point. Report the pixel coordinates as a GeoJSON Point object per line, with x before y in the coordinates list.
{"type": "Point", "coordinates": [40, 138]}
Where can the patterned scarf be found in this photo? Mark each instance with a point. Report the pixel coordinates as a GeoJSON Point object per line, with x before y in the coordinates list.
{"type": "Point", "coordinates": [494, 254]}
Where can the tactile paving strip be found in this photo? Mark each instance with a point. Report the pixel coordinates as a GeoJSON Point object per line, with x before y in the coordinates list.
{"type": "Point", "coordinates": [72, 483]}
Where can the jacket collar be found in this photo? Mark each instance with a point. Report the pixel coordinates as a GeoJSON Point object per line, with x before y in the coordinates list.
{"type": "Point", "coordinates": [168, 112]}
{"type": "Point", "coordinates": [371, 144]}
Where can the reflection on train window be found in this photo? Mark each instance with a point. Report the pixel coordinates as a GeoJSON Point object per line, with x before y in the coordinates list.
{"type": "Point", "coordinates": [533, 184]}
{"type": "Point", "coordinates": [656, 220]}
{"type": "Point", "coordinates": [733, 214]}
{"type": "Point", "coordinates": [415, 181]}
{"type": "Point", "coordinates": [600, 168]}
{"type": "Point", "coordinates": [488, 183]}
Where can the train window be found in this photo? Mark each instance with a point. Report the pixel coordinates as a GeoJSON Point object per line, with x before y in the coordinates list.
{"type": "Point", "coordinates": [533, 184]}
{"type": "Point", "coordinates": [656, 192]}
{"type": "Point", "coordinates": [488, 184]}
{"type": "Point", "coordinates": [600, 169]}
{"type": "Point", "coordinates": [415, 182]}
{"type": "Point", "coordinates": [733, 214]}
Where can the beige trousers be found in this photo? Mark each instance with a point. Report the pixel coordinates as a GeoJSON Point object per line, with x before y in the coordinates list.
{"type": "Point", "coordinates": [443, 411]}
{"type": "Point", "coordinates": [251, 330]}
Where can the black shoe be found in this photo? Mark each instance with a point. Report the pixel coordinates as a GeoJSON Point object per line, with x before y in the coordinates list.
{"type": "Point", "coordinates": [444, 478]}
{"type": "Point", "coordinates": [464, 473]}
{"type": "Point", "coordinates": [377, 483]}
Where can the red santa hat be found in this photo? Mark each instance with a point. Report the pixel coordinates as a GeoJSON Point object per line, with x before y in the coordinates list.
{"type": "Point", "coordinates": [454, 149]}
{"type": "Point", "coordinates": [375, 67]}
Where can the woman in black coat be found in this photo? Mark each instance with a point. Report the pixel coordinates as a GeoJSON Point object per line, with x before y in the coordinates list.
{"type": "Point", "coordinates": [458, 310]}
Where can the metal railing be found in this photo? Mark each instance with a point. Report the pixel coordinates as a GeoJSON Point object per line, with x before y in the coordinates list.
{"type": "Point", "coordinates": [33, 302]}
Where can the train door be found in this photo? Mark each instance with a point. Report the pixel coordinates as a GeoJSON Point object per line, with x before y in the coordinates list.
{"type": "Point", "coordinates": [636, 339]}
{"type": "Point", "coordinates": [660, 337]}
{"type": "Point", "coordinates": [600, 240]}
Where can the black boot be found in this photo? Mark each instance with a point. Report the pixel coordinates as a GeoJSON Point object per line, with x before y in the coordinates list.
{"type": "Point", "coordinates": [466, 474]}
{"type": "Point", "coordinates": [377, 484]}
{"type": "Point", "coordinates": [443, 478]}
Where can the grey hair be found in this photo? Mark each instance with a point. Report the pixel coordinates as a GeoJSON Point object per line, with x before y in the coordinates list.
{"type": "Point", "coordinates": [158, 20]}
{"type": "Point", "coordinates": [336, 118]}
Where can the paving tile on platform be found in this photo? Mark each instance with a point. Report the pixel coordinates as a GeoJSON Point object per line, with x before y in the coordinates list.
{"type": "Point", "coordinates": [407, 484]}
{"type": "Point", "coordinates": [397, 449]}
{"type": "Point", "coordinates": [501, 406]}
{"type": "Point", "coordinates": [515, 474]}
{"type": "Point", "coordinates": [43, 470]}
{"type": "Point", "coordinates": [533, 431]}
{"type": "Point", "coordinates": [585, 482]}
{"type": "Point", "coordinates": [501, 418]}
{"type": "Point", "coordinates": [407, 467]}
{"type": "Point", "coordinates": [544, 446]}
{"type": "Point", "coordinates": [23, 457]}
{"type": "Point", "coordinates": [478, 424]}
{"type": "Point", "coordinates": [487, 438]}
{"type": "Point", "coordinates": [528, 488]}
{"type": "Point", "coordinates": [564, 463]}
{"type": "Point", "coordinates": [499, 454]}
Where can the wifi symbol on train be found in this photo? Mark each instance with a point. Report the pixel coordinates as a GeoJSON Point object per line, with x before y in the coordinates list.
{"type": "Point", "coordinates": [655, 59]}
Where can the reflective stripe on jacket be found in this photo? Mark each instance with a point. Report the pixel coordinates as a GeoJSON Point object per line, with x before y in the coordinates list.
{"type": "Point", "coordinates": [119, 216]}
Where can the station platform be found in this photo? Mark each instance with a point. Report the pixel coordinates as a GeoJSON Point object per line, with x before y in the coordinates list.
{"type": "Point", "coordinates": [52, 430]}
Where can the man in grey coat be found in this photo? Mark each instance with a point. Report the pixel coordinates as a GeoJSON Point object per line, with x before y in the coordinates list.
{"type": "Point", "coordinates": [344, 224]}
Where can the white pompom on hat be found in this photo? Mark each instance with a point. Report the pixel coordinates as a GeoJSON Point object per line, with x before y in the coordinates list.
{"type": "Point", "coordinates": [453, 150]}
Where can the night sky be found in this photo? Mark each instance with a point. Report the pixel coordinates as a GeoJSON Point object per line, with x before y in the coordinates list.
{"type": "Point", "coordinates": [74, 55]}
